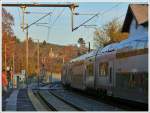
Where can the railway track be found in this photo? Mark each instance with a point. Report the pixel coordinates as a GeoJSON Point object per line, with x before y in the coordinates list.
{"type": "Point", "coordinates": [55, 103]}
{"type": "Point", "coordinates": [126, 105]}
{"type": "Point", "coordinates": [57, 98]}
{"type": "Point", "coordinates": [82, 102]}
{"type": "Point", "coordinates": [67, 102]}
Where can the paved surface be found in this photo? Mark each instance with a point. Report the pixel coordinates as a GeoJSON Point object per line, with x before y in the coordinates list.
{"type": "Point", "coordinates": [23, 101]}
{"type": "Point", "coordinates": [11, 101]}
{"type": "Point", "coordinates": [5, 96]}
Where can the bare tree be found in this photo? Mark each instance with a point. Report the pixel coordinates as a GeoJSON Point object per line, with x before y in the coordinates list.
{"type": "Point", "coordinates": [7, 22]}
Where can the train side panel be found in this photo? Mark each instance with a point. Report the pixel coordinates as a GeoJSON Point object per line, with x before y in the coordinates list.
{"type": "Point", "coordinates": [90, 72]}
{"type": "Point", "coordinates": [132, 78]}
{"type": "Point", "coordinates": [78, 75]}
{"type": "Point", "coordinates": [105, 74]}
{"type": "Point", "coordinates": [66, 74]}
{"type": "Point", "coordinates": [63, 74]}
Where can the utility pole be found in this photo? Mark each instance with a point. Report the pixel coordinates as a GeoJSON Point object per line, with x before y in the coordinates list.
{"type": "Point", "coordinates": [89, 47]}
{"type": "Point", "coordinates": [38, 62]}
{"type": "Point", "coordinates": [51, 65]}
{"type": "Point", "coordinates": [27, 56]}
{"type": "Point", "coordinates": [72, 16]}
{"type": "Point", "coordinates": [23, 11]}
{"type": "Point", "coordinates": [63, 59]}
{"type": "Point", "coordinates": [5, 57]}
{"type": "Point", "coordinates": [13, 68]}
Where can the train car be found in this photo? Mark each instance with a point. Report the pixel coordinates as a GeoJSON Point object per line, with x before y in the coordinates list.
{"type": "Point", "coordinates": [65, 75]}
{"type": "Point", "coordinates": [77, 73]}
{"type": "Point", "coordinates": [90, 69]}
{"type": "Point", "coordinates": [104, 69]}
{"type": "Point", "coordinates": [131, 81]}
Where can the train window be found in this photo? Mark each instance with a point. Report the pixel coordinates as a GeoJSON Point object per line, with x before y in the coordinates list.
{"type": "Point", "coordinates": [110, 75]}
{"type": "Point", "coordinates": [90, 69]}
{"type": "Point", "coordinates": [103, 69]}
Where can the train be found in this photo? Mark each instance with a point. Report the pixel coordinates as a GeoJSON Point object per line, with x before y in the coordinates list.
{"type": "Point", "coordinates": [119, 70]}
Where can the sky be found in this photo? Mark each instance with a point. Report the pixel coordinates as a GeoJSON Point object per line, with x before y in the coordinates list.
{"type": "Point", "coordinates": [60, 32]}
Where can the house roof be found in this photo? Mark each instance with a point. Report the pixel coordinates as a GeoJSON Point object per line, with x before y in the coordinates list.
{"type": "Point", "coordinates": [139, 12]}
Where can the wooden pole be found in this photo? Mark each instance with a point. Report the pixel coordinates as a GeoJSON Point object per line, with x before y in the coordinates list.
{"type": "Point", "coordinates": [5, 57]}
{"type": "Point", "coordinates": [38, 62]}
{"type": "Point", "coordinates": [13, 69]}
{"type": "Point", "coordinates": [27, 56]}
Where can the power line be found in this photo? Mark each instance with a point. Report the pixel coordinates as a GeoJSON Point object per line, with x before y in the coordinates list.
{"type": "Point", "coordinates": [48, 32]}
{"type": "Point", "coordinates": [50, 19]}
{"type": "Point", "coordinates": [110, 9]}
{"type": "Point", "coordinates": [106, 11]}
{"type": "Point", "coordinates": [19, 14]}
{"type": "Point", "coordinates": [56, 19]}
{"type": "Point", "coordinates": [94, 15]}
{"type": "Point", "coordinates": [38, 20]}
{"type": "Point", "coordinates": [116, 18]}
{"type": "Point", "coordinates": [53, 12]}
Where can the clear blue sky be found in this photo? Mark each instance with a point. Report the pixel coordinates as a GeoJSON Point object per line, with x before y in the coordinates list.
{"type": "Point", "coordinates": [61, 32]}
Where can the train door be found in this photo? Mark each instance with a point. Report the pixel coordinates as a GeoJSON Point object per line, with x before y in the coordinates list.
{"type": "Point", "coordinates": [111, 77]}
{"type": "Point", "coordinates": [90, 74]}
{"type": "Point", "coordinates": [85, 74]}
{"type": "Point", "coordinates": [111, 73]}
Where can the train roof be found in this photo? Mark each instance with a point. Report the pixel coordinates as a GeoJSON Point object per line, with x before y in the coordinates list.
{"type": "Point", "coordinates": [90, 54]}
{"type": "Point", "coordinates": [131, 41]}
{"type": "Point", "coordinates": [111, 47]}
{"type": "Point", "coordinates": [83, 57]}
{"type": "Point", "coordinates": [108, 48]}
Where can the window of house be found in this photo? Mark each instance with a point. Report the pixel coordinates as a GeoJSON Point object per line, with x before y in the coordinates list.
{"type": "Point", "coordinates": [103, 69]}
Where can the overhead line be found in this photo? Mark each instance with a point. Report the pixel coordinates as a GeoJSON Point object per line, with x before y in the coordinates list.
{"type": "Point", "coordinates": [38, 20]}
{"type": "Point", "coordinates": [57, 18]}
{"type": "Point", "coordinates": [116, 19]}
{"type": "Point", "coordinates": [50, 19]}
{"type": "Point", "coordinates": [85, 22]}
{"type": "Point", "coordinates": [95, 15]}
{"type": "Point", "coordinates": [19, 14]}
{"type": "Point", "coordinates": [40, 5]}
{"type": "Point", "coordinates": [104, 12]}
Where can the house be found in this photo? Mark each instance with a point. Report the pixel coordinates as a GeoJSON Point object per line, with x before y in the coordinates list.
{"type": "Point", "coordinates": [136, 21]}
